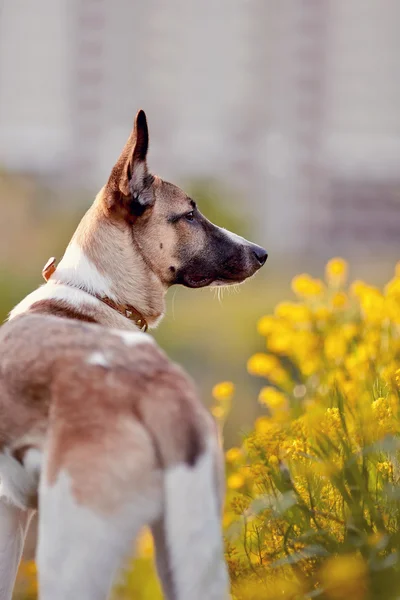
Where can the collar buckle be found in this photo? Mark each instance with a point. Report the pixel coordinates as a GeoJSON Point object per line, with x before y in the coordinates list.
{"type": "Point", "coordinates": [49, 268]}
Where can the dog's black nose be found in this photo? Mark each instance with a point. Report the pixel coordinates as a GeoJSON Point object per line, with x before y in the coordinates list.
{"type": "Point", "coordinates": [260, 254]}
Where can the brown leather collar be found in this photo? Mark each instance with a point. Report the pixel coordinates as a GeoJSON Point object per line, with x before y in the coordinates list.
{"type": "Point", "coordinates": [128, 311]}
{"type": "Point", "coordinates": [125, 310]}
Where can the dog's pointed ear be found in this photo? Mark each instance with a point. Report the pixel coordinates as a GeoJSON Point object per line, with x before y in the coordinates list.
{"type": "Point", "coordinates": [130, 175]}
{"type": "Point", "coordinates": [135, 167]}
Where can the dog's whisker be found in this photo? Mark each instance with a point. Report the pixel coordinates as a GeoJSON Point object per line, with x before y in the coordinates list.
{"type": "Point", "coordinates": [173, 304]}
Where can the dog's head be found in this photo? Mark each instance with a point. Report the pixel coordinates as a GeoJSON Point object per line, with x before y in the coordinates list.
{"type": "Point", "coordinates": [176, 241]}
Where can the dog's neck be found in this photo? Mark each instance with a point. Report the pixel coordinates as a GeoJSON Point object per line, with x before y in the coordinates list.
{"type": "Point", "coordinates": [103, 260]}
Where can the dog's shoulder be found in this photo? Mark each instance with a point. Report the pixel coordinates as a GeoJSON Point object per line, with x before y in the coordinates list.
{"type": "Point", "coordinates": [48, 338]}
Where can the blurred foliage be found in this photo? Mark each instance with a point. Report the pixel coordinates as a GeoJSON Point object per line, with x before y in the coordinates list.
{"type": "Point", "coordinates": [313, 507]}
{"type": "Point", "coordinates": [35, 223]}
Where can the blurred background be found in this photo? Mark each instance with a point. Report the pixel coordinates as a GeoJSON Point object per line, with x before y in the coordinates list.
{"type": "Point", "coordinates": [281, 117]}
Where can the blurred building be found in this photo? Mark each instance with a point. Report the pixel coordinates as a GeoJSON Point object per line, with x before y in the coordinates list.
{"type": "Point", "coordinates": [294, 103]}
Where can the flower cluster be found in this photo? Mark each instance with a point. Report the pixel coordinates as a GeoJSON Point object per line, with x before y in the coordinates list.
{"type": "Point", "coordinates": [313, 496]}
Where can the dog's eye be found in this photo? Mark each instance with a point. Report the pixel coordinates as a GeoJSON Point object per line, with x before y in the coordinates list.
{"type": "Point", "coordinates": [190, 216]}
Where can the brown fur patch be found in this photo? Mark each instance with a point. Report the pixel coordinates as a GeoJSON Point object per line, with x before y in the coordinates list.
{"type": "Point", "coordinates": [59, 308]}
{"type": "Point", "coordinates": [133, 409]}
{"type": "Point", "coordinates": [146, 388]}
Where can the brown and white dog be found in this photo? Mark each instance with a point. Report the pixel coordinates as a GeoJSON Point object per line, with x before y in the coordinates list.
{"type": "Point", "coordinates": [97, 426]}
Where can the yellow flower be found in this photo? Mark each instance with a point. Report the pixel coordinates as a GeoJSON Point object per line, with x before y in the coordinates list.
{"type": "Point", "coordinates": [278, 376]}
{"type": "Point", "coordinates": [293, 311]}
{"type": "Point", "coordinates": [345, 577]}
{"type": "Point", "coordinates": [336, 271]}
{"type": "Point", "coordinates": [280, 341]}
{"type": "Point", "coordinates": [227, 520]}
{"type": "Point", "coordinates": [386, 468]}
{"type": "Point", "coordinates": [28, 569]}
{"type": "Point", "coordinates": [262, 364]}
{"type": "Point", "coordinates": [305, 345]}
{"type": "Point", "coordinates": [335, 346]}
{"type": "Point", "coordinates": [235, 481]}
{"type": "Point", "coordinates": [322, 313]}
{"type": "Point", "coordinates": [358, 288]}
{"type": "Point", "coordinates": [339, 300]}
{"type": "Point", "coordinates": [239, 504]}
{"type": "Point", "coordinates": [218, 412]}
{"type": "Point", "coordinates": [349, 330]}
{"type": "Point", "coordinates": [223, 390]}
{"type": "Point", "coordinates": [145, 545]}
{"type": "Point", "coordinates": [233, 454]}
{"type": "Point", "coordinates": [27, 575]}
{"type": "Point", "coordinates": [393, 288]}
{"type": "Point", "coordinates": [273, 399]}
{"type": "Point", "coordinates": [310, 365]}
{"type": "Point", "coordinates": [330, 421]}
{"type": "Point", "coordinates": [263, 425]}
{"type": "Point", "coordinates": [392, 308]}
{"type": "Point", "coordinates": [390, 374]}
{"type": "Point", "coordinates": [372, 342]}
{"type": "Point", "coordinates": [372, 304]}
{"type": "Point", "coordinates": [306, 287]}
{"type": "Point", "coordinates": [265, 325]}
{"type": "Point", "coordinates": [354, 362]}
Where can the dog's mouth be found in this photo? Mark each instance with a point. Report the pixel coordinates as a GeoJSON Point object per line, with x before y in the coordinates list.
{"type": "Point", "coordinates": [198, 281]}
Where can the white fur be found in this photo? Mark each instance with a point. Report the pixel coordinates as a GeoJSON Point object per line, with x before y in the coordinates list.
{"type": "Point", "coordinates": [80, 553]}
{"type": "Point", "coordinates": [14, 523]}
{"type": "Point", "coordinates": [98, 358]}
{"type": "Point", "coordinates": [33, 463]}
{"type": "Point", "coordinates": [55, 291]}
{"type": "Point", "coordinates": [80, 550]}
{"type": "Point", "coordinates": [193, 534]}
{"type": "Point", "coordinates": [133, 338]}
{"type": "Point", "coordinates": [77, 269]}
{"type": "Point", "coordinates": [18, 483]}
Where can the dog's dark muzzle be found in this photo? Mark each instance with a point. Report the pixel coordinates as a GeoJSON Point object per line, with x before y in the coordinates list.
{"type": "Point", "coordinates": [225, 260]}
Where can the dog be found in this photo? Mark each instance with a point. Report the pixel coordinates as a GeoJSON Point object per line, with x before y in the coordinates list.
{"type": "Point", "coordinates": [97, 427]}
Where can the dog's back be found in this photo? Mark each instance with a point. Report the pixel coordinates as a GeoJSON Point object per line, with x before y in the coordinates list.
{"type": "Point", "coordinates": [86, 376]}
{"type": "Point", "coordinates": [123, 442]}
